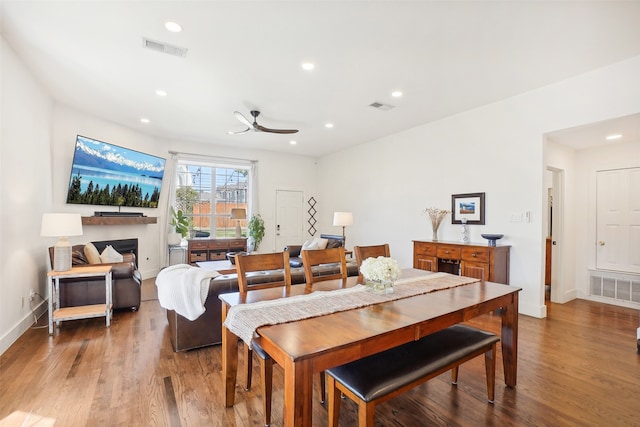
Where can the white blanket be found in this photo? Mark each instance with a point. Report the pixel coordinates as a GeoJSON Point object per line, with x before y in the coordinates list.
{"type": "Point", "coordinates": [184, 288]}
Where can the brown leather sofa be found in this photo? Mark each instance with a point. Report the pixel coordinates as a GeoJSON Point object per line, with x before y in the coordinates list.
{"type": "Point", "coordinates": [126, 282]}
{"type": "Point", "coordinates": [295, 260]}
{"type": "Point", "coordinates": [207, 329]}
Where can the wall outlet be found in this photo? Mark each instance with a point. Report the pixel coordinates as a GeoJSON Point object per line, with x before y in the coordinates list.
{"type": "Point", "coordinates": [32, 294]}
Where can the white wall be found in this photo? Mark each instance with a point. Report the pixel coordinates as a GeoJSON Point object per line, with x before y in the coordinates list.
{"type": "Point", "coordinates": [25, 193]}
{"type": "Point", "coordinates": [496, 149]}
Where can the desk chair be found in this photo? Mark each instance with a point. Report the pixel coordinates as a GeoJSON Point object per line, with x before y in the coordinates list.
{"type": "Point", "coordinates": [364, 252]}
{"type": "Point", "coordinates": [262, 262]}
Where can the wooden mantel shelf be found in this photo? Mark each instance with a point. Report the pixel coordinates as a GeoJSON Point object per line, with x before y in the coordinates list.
{"type": "Point", "coordinates": [118, 220]}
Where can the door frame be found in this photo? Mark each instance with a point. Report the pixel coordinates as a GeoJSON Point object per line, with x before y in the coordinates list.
{"type": "Point", "coordinates": [557, 238]}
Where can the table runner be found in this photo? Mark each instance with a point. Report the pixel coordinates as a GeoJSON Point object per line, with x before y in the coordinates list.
{"type": "Point", "coordinates": [244, 319]}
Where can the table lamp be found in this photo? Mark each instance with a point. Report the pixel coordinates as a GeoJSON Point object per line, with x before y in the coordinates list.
{"type": "Point", "coordinates": [343, 219]}
{"type": "Point", "coordinates": [61, 225]}
{"type": "Point", "coordinates": [238, 214]}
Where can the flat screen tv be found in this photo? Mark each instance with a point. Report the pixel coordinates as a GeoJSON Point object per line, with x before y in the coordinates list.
{"type": "Point", "coordinates": [106, 174]}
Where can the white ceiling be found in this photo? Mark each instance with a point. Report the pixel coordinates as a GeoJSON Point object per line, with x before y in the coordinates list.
{"type": "Point", "coordinates": [446, 57]}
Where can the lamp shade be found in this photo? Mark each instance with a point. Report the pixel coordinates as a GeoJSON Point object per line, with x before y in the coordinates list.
{"type": "Point", "coordinates": [342, 219]}
{"type": "Point", "coordinates": [61, 225]}
{"type": "Point", "coordinates": [238, 213]}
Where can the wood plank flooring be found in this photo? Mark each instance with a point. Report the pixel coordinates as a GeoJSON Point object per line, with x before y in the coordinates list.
{"type": "Point", "coordinates": [578, 367]}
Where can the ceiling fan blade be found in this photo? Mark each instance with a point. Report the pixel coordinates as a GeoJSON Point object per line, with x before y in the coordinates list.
{"type": "Point", "coordinates": [242, 119]}
{"type": "Point", "coordinates": [239, 132]}
{"type": "Point", "coordinates": [264, 129]}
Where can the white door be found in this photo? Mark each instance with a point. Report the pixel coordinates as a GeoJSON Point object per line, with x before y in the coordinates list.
{"type": "Point", "coordinates": [289, 212]}
{"type": "Point", "coordinates": [618, 220]}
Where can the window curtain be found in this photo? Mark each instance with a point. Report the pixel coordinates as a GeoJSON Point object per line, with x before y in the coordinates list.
{"type": "Point", "coordinates": [253, 189]}
{"type": "Point", "coordinates": [170, 177]}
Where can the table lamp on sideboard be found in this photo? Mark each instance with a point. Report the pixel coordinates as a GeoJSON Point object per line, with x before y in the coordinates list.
{"type": "Point", "coordinates": [61, 225]}
{"type": "Point", "coordinates": [238, 214]}
{"type": "Point", "coordinates": [343, 219]}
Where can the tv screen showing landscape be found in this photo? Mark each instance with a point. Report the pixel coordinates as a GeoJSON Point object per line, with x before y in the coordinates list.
{"type": "Point", "coordinates": [106, 174]}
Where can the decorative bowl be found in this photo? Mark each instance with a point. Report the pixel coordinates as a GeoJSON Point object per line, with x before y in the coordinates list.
{"type": "Point", "coordinates": [231, 256]}
{"type": "Point", "coordinates": [492, 238]}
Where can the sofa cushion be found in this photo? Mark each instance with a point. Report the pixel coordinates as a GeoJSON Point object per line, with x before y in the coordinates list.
{"type": "Point", "coordinates": [92, 254]}
{"type": "Point", "coordinates": [110, 255]}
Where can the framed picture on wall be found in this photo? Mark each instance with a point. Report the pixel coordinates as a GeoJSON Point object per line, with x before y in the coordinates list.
{"type": "Point", "coordinates": [469, 206]}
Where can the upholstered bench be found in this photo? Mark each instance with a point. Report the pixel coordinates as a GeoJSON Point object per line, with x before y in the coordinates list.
{"type": "Point", "coordinates": [382, 376]}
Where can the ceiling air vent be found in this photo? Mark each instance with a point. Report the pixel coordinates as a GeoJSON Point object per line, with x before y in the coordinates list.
{"type": "Point", "coordinates": [381, 106]}
{"type": "Point", "coordinates": [164, 48]}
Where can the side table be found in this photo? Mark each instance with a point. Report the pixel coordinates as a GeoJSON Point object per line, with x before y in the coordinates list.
{"type": "Point", "coordinates": [58, 314]}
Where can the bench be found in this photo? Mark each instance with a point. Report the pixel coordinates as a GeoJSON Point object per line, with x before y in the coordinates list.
{"type": "Point", "coordinates": [382, 376]}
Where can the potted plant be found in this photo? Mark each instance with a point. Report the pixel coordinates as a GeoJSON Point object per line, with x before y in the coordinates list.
{"type": "Point", "coordinates": [256, 231]}
{"type": "Point", "coordinates": [180, 224]}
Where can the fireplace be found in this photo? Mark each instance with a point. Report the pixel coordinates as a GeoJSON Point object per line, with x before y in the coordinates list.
{"type": "Point", "coordinates": [123, 246]}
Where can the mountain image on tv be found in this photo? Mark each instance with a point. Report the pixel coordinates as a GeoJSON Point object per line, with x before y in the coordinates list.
{"type": "Point", "coordinates": [107, 174]}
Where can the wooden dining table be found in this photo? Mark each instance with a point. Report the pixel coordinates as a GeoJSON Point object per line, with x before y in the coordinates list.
{"type": "Point", "coordinates": [312, 345]}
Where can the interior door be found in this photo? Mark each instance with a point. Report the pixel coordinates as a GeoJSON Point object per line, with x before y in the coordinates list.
{"type": "Point", "coordinates": [289, 212]}
{"type": "Point", "coordinates": [618, 220]}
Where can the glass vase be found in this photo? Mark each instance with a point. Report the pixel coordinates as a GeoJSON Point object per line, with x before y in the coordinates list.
{"type": "Point", "coordinates": [379, 287]}
{"type": "Point", "coordinates": [435, 234]}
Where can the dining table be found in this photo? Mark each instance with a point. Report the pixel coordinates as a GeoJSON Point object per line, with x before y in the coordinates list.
{"type": "Point", "coordinates": [311, 345]}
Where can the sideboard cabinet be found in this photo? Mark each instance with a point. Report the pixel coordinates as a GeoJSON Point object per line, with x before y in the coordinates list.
{"type": "Point", "coordinates": [200, 249]}
{"type": "Point", "coordinates": [489, 263]}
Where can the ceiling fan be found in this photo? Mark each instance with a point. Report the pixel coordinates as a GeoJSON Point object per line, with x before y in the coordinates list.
{"type": "Point", "coordinates": [255, 126]}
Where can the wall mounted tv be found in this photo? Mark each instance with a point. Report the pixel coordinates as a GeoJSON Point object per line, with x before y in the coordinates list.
{"type": "Point", "coordinates": [106, 174]}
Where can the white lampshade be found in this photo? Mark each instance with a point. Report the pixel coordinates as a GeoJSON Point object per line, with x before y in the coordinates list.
{"type": "Point", "coordinates": [61, 225]}
{"type": "Point", "coordinates": [238, 213]}
{"type": "Point", "coordinates": [342, 219]}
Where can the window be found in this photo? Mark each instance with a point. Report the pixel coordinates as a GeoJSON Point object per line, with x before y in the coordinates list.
{"type": "Point", "coordinates": [206, 193]}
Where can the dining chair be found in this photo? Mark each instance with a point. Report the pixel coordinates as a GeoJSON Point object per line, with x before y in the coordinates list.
{"type": "Point", "coordinates": [256, 263]}
{"type": "Point", "coordinates": [364, 252]}
{"type": "Point", "coordinates": [315, 257]}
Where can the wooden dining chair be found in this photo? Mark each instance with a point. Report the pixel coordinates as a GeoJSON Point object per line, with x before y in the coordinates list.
{"type": "Point", "coordinates": [252, 263]}
{"type": "Point", "coordinates": [364, 252]}
{"type": "Point", "coordinates": [314, 257]}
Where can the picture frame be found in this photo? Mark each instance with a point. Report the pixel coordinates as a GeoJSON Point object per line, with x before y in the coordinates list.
{"type": "Point", "coordinates": [469, 206]}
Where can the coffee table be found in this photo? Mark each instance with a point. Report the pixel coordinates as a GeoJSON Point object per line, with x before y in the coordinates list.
{"type": "Point", "coordinates": [222, 267]}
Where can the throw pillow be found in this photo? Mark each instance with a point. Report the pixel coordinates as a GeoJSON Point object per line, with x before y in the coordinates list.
{"type": "Point", "coordinates": [334, 243]}
{"type": "Point", "coordinates": [92, 254]}
{"type": "Point", "coordinates": [78, 258]}
{"type": "Point", "coordinates": [110, 255]}
{"type": "Point", "coordinates": [309, 244]}
{"type": "Point", "coordinates": [322, 243]}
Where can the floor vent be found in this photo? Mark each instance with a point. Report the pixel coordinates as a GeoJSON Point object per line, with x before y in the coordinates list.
{"type": "Point", "coordinates": [164, 47]}
{"type": "Point", "coordinates": [617, 286]}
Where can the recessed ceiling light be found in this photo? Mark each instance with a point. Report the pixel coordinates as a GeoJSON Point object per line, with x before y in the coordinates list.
{"type": "Point", "coordinates": [293, 142]}
{"type": "Point", "coordinates": [308, 66]}
{"type": "Point", "coordinates": [396, 94]}
{"type": "Point", "coordinates": [173, 27]}
{"type": "Point", "coordinates": [145, 120]}
{"type": "Point", "coordinates": [161, 93]}
{"type": "Point", "coordinates": [328, 125]}
{"type": "Point", "coordinates": [615, 136]}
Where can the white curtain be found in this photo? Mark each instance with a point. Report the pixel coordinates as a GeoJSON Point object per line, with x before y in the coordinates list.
{"type": "Point", "coordinates": [170, 179]}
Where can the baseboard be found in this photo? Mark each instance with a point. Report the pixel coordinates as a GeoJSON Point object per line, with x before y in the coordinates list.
{"type": "Point", "coordinates": [21, 327]}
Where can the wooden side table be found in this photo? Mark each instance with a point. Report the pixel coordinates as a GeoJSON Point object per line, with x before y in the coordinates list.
{"type": "Point", "coordinates": [79, 312]}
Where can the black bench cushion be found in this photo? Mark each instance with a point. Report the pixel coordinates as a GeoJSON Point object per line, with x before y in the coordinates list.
{"type": "Point", "coordinates": [382, 373]}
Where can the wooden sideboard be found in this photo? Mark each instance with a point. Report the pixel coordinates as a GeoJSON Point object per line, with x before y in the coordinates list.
{"type": "Point", "coordinates": [203, 249]}
{"type": "Point", "coordinates": [483, 262]}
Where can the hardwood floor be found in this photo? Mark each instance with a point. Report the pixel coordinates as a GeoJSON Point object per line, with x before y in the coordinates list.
{"type": "Point", "coordinates": [578, 367]}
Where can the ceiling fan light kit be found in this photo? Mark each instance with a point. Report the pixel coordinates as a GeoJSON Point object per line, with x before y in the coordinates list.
{"type": "Point", "coordinates": [255, 126]}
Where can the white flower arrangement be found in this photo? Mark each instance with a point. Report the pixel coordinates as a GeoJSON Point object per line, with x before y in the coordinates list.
{"type": "Point", "coordinates": [380, 269]}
